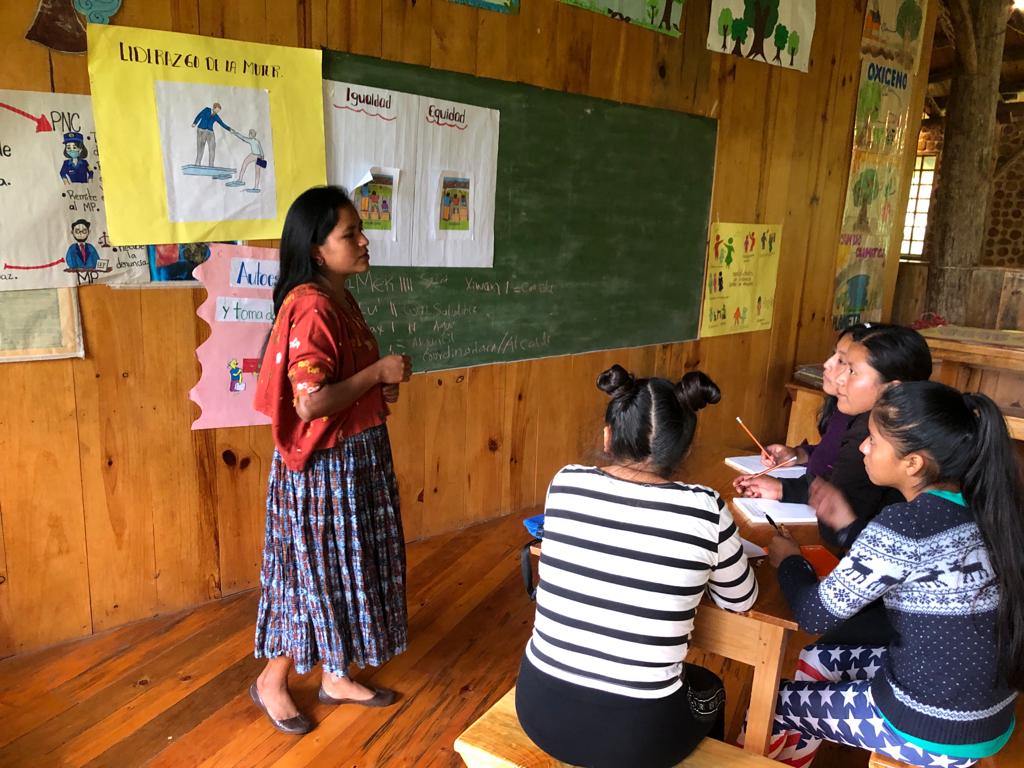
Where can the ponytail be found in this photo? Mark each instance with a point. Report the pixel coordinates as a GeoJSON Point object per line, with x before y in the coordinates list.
{"type": "Point", "coordinates": [964, 440]}
{"type": "Point", "coordinates": [993, 490]}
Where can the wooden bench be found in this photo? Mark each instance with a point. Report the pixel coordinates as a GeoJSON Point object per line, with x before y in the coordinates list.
{"type": "Point", "coordinates": [881, 761]}
{"type": "Point", "coordinates": [496, 740]}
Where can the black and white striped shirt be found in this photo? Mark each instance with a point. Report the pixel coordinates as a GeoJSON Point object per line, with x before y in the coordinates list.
{"type": "Point", "coordinates": [622, 569]}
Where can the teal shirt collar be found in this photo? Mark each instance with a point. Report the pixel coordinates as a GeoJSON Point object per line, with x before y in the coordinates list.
{"type": "Point", "coordinates": [955, 496]}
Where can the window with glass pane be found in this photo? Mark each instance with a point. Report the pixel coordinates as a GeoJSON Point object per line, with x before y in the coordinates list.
{"type": "Point", "coordinates": [916, 220]}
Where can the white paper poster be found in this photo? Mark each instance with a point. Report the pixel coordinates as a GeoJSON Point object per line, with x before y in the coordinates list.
{"type": "Point", "coordinates": [54, 231]}
{"type": "Point", "coordinates": [396, 152]}
{"type": "Point", "coordinates": [458, 162]}
{"type": "Point", "coordinates": [225, 171]}
{"type": "Point", "coordinates": [368, 130]}
{"type": "Point", "coordinates": [777, 33]}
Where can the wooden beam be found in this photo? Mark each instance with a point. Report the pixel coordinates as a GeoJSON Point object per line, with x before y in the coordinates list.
{"type": "Point", "coordinates": [966, 48]}
{"type": "Point", "coordinates": [1013, 62]}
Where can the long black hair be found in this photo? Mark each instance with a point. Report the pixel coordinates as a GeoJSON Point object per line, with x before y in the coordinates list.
{"type": "Point", "coordinates": [964, 441]}
{"type": "Point", "coordinates": [654, 419]}
{"type": "Point", "coordinates": [309, 221]}
{"type": "Point", "coordinates": [898, 353]}
{"type": "Point", "coordinates": [856, 333]}
{"type": "Point", "coordinates": [831, 403]}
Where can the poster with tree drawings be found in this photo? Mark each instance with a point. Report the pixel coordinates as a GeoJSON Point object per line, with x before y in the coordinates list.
{"type": "Point", "coordinates": [873, 189]}
{"type": "Point", "coordinates": [54, 233]}
{"type": "Point", "coordinates": [893, 30]}
{"type": "Point", "coordinates": [777, 32]}
{"type": "Point", "coordinates": [658, 15]}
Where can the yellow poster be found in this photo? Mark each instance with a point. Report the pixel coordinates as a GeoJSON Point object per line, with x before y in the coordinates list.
{"type": "Point", "coordinates": [203, 138]}
{"type": "Point", "coordinates": [739, 282]}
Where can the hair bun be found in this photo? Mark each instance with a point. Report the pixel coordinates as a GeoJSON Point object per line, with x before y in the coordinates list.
{"type": "Point", "coordinates": [616, 382]}
{"type": "Point", "coordinates": [696, 390]}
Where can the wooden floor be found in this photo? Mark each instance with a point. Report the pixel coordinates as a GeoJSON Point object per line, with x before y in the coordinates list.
{"type": "Point", "coordinates": [172, 691]}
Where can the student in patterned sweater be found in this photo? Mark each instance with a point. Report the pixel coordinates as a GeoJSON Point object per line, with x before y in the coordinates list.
{"type": "Point", "coordinates": [627, 556]}
{"type": "Point", "coordinates": [947, 564]}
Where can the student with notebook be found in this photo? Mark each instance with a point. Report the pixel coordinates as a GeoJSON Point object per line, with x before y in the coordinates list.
{"type": "Point", "coordinates": [627, 556]}
{"type": "Point", "coordinates": [844, 498]}
{"type": "Point", "coordinates": [832, 423]}
{"type": "Point", "coordinates": [946, 561]}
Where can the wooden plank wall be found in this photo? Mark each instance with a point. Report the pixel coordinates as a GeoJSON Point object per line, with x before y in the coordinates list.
{"type": "Point", "coordinates": [113, 510]}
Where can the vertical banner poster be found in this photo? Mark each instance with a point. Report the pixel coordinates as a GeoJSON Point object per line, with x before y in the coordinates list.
{"type": "Point", "coordinates": [777, 32]}
{"type": "Point", "coordinates": [657, 15]}
{"type": "Point", "coordinates": [54, 231]}
{"type": "Point", "coordinates": [739, 282]}
{"type": "Point", "coordinates": [239, 309]}
{"type": "Point", "coordinates": [893, 31]}
{"type": "Point", "coordinates": [41, 324]}
{"type": "Point", "coordinates": [371, 151]}
{"type": "Point", "coordinates": [872, 192]}
{"type": "Point", "coordinates": [203, 138]}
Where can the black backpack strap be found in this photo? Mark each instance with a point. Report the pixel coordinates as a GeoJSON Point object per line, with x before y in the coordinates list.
{"type": "Point", "coordinates": [527, 568]}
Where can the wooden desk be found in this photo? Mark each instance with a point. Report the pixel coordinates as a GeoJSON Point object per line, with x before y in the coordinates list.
{"type": "Point", "coordinates": [759, 636]}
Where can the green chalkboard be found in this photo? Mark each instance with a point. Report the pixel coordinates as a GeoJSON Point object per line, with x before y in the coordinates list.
{"type": "Point", "coordinates": [600, 229]}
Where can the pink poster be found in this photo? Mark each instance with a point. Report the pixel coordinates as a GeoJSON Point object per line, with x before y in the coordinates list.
{"type": "Point", "coordinates": [239, 309]}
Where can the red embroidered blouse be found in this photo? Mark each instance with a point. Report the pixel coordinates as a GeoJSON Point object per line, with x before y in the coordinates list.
{"type": "Point", "coordinates": [316, 341]}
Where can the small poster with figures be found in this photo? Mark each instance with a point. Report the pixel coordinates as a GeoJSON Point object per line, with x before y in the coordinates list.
{"type": "Point", "coordinates": [453, 206]}
{"type": "Point", "coordinates": [739, 286]}
{"type": "Point", "coordinates": [239, 309]}
{"type": "Point", "coordinates": [376, 199]}
{"type": "Point", "coordinates": [55, 225]}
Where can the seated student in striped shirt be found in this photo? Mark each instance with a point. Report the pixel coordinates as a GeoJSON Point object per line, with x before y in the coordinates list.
{"type": "Point", "coordinates": [627, 556]}
{"type": "Point", "coordinates": [947, 564]}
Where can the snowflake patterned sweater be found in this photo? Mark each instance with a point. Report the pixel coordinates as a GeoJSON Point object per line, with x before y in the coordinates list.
{"type": "Point", "coordinates": [927, 560]}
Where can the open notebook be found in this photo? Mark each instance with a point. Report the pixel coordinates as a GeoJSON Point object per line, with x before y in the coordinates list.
{"type": "Point", "coordinates": [751, 465]}
{"type": "Point", "coordinates": [753, 511]}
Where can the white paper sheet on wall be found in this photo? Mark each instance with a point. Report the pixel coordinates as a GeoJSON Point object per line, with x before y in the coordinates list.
{"type": "Point", "coordinates": [421, 141]}
{"type": "Point", "coordinates": [54, 231]}
{"type": "Point", "coordinates": [458, 158]}
{"type": "Point", "coordinates": [370, 129]}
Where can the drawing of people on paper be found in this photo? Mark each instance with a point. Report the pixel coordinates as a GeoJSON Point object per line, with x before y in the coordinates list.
{"type": "Point", "coordinates": [75, 168]}
{"type": "Point", "coordinates": [81, 254]}
{"type": "Point", "coordinates": [193, 157]}
{"type": "Point", "coordinates": [236, 383]}
{"type": "Point", "coordinates": [205, 137]}
{"type": "Point", "coordinates": [255, 156]}
{"type": "Point", "coordinates": [454, 208]}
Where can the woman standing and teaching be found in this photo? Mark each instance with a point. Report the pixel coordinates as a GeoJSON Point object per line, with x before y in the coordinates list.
{"type": "Point", "coordinates": [333, 577]}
